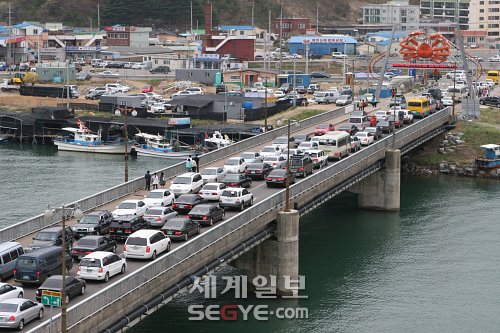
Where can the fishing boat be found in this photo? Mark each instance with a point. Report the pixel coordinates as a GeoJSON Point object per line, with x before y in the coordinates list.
{"type": "Point", "coordinates": [217, 140]}
{"type": "Point", "coordinates": [6, 138]}
{"type": "Point", "coordinates": [83, 140]}
{"type": "Point", "coordinates": [158, 146]}
{"type": "Point", "coordinates": [491, 159]}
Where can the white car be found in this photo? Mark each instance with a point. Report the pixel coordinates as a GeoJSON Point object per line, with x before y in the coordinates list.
{"type": "Point", "coordinates": [101, 265]}
{"type": "Point", "coordinates": [10, 291]}
{"type": "Point", "coordinates": [212, 191]}
{"type": "Point", "coordinates": [158, 108]}
{"type": "Point", "coordinates": [308, 145]}
{"type": "Point", "coordinates": [251, 157]}
{"type": "Point", "coordinates": [490, 83]}
{"type": "Point", "coordinates": [281, 142]}
{"type": "Point", "coordinates": [381, 115]}
{"type": "Point", "coordinates": [319, 157]}
{"type": "Point", "coordinates": [183, 93]}
{"type": "Point", "coordinates": [158, 215]}
{"type": "Point", "coordinates": [139, 66]}
{"type": "Point", "coordinates": [270, 151]}
{"type": "Point", "coordinates": [294, 151]}
{"type": "Point", "coordinates": [16, 312]}
{"type": "Point", "coordinates": [343, 100]}
{"type": "Point", "coordinates": [195, 90]}
{"type": "Point", "coordinates": [277, 162]}
{"type": "Point", "coordinates": [213, 174]}
{"type": "Point", "coordinates": [365, 138]}
{"type": "Point", "coordinates": [236, 197]}
{"type": "Point", "coordinates": [279, 94]}
{"type": "Point", "coordinates": [189, 182]}
{"type": "Point", "coordinates": [338, 55]}
{"type": "Point", "coordinates": [146, 244]}
{"type": "Point", "coordinates": [130, 207]}
{"type": "Point", "coordinates": [108, 74]}
{"type": "Point", "coordinates": [407, 116]}
{"type": "Point", "coordinates": [235, 165]}
{"type": "Point", "coordinates": [161, 197]}
{"type": "Point", "coordinates": [494, 58]}
{"type": "Point", "coordinates": [447, 101]}
{"type": "Point", "coordinates": [116, 88]}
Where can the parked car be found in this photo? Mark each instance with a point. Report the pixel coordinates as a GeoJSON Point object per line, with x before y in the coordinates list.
{"type": "Point", "coordinates": [157, 216]}
{"type": "Point", "coordinates": [93, 223]}
{"type": "Point", "coordinates": [490, 100]}
{"type": "Point", "coordinates": [322, 129]}
{"type": "Point", "coordinates": [130, 207]}
{"type": "Point", "coordinates": [101, 265]}
{"type": "Point", "coordinates": [213, 174]}
{"type": "Point", "coordinates": [157, 108]}
{"type": "Point", "coordinates": [270, 151]}
{"type": "Point", "coordinates": [108, 74]}
{"type": "Point", "coordinates": [301, 90]}
{"type": "Point", "coordinates": [277, 177]}
{"type": "Point", "coordinates": [95, 94]}
{"type": "Point", "coordinates": [320, 75]}
{"type": "Point", "coordinates": [189, 182]}
{"type": "Point", "coordinates": [365, 138]}
{"type": "Point", "coordinates": [206, 214]}
{"type": "Point", "coordinates": [146, 244]}
{"type": "Point", "coordinates": [495, 58]}
{"type": "Point", "coordinates": [160, 70]}
{"type": "Point", "coordinates": [212, 191]}
{"type": "Point", "coordinates": [185, 202]}
{"type": "Point", "coordinates": [278, 94]}
{"type": "Point", "coordinates": [235, 165]}
{"type": "Point", "coordinates": [84, 76]}
{"type": "Point", "coordinates": [294, 99]}
{"type": "Point", "coordinates": [258, 170]}
{"type": "Point", "coordinates": [16, 312]}
{"type": "Point", "coordinates": [327, 97]}
{"type": "Point", "coordinates": [251, 157]}
{"type": "Point", "coordinates": [181, 228]}
{"type": "Point", "coordinates": [89, 244]}
{"type": "Point", "coordinates": [343, 100]}
{"type": "Point", "coordinates": [237, 180]}
{"type": "Point", "coordinates": [123, 226]}
{"type": "Point", "coordinates": [236, 197]}
{"type": "Point", "coordinates": [74, 286]}
{"type": "Point", "coordinates": [313, 87]}
{"type": "Point", "coordinates": [286, 87]}
{"type": "Point", "coordinates": [338, 55]}
{"type": "Point", "coordinates": [51, 236]}
{"type": "Point", "coordinates": [346, 127]}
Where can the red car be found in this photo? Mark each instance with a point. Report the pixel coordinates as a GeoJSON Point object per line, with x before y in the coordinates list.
{"type": "Point", "coordinates": [147, 89]}
{"type": "Point", "coordinates": [323, 128]}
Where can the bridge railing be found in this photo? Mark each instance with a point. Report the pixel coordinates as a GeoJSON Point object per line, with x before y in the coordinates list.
{"type": "Point", "coordinates": [38, 222]}
{"type": "Point", "coordinates": [222, 233]}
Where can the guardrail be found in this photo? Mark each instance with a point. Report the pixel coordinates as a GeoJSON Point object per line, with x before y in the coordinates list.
{"type": "Point", "coordinates": [207, 246]}
{"type": "Point", "coordinates": [38, 222]}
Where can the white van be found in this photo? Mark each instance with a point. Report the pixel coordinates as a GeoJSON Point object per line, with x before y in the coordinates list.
{"type": "Point", "coordinates": [326, 97]}
{"type": "Point", "coordinates": [319, 157]}
{"type": "Point", "coordinates": [336, 144]}
{"type": "Point", "coordinates": [95, 62]}
{"type": "Point", "coordinates": [457, 92]}
{"type": "Point", "coordinates": [75, 91]}
{"type": "Point", "coordinates": [359, 121]}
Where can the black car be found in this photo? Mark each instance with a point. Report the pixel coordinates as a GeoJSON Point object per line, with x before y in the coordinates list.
{"type": "Point", "coordinates": [490, 100]}
{"type": "Point", "coordinates": [258, 170]}
{"type": "Point", "coordinates": [299, 138]}
{"type": "Point", "coordinates": [124, 226]}
{"type": "Point", "coordinates": [51, 237]}
{"type": "Point", "coordinates": [186, 202]}
{"type": "Point", "coordinates": [277, 177]}
{"type": "Point", "coordinates": [293, 99]}
{"type": "Point", "coordinates": [74, 286]}
{"type": "Point", "coordinates": [301, 90]}
{"type": "Point", "coordinates": [89, 244]}
{"type": "Point", "coordinates": [351, 129]}
{"type": "Point", "coordinates": [386, 126]}
{"type": "Point", "coordinates": [320, 75]}
{"type": "Point", "coordinates": [161, 70]}
{"type": "Point", "coordinates": [435, 93]}
{"type": "Point", "coordinates": [180, 228]}
{"type": "Point", "coordinates": [435, 77]}
{"type": "Point", "coordinates": [375, 131]}
{"type": "Point", "coordinates": [237, 180]}
{"type": "Point", "coordinates": [315, 56]}
{"type": "Point", "coordinates": [94, 223]}
{"type": "Point", "coordinates": [84, 76]}
{"type": "Point", "coordinates": [95, 94]}
{"type": "Point", "coordinates": [206, 214]}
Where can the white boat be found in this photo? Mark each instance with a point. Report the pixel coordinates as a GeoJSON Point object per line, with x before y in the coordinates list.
{"type": "Point", "coordinates": [83, 140]}
{"type": "Point", "coordinates": [158, 146]}
{"type": "Point", "coordinates": [217, 140]}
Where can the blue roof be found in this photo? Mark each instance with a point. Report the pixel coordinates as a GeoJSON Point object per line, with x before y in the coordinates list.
{"type": "Point", "coordinates": [334, 39]}
{"type": "Point", "coordinates": [387, 34]}
{"type": "Point", "coordinates": [236, 27]}
{"type": "Point", "coordinates": [22, 25]}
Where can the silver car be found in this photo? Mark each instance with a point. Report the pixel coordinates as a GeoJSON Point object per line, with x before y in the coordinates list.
{"type": "Point", "coordinates": [157, 216]}
{"type": "Point", "coordinates": [16, 312]}
{"type": "Point", "coordinates": [278, 162]}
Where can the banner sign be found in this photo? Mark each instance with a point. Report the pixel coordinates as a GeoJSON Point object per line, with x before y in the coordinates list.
{"type": "Point", "coordinates": [179, 121]}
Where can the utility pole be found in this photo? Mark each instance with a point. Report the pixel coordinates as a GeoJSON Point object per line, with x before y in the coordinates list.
{"type": "Point", "coordinates": [98, 16]}
{"type": "Point", "coordinates": [191, 31]}
{"type": "Point", "coordinates": [64, 305]}
{"type": "Point", "coordinates": [317, 17]}
{"type": "Point", "coordinates": [268, 40]}
{"type": "Point", "coordinates": [67, 84]}
{"type": "Point", "coordinates": [253, 11]}
{"type": "Point", "coordinates": [281, 36]}
{"type": "Point", "coordinates": [265, 105]}
{"type": "Point", "coordinates": [8, 58]}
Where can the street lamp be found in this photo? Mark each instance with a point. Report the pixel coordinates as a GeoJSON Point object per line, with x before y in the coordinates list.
{"type": "Point", "coordinates": [126, 110]}
{"type": "Point", "coordinates": [287, 182]}
{"type": "Point", "coordinates": [393, 93]}
{"type": "Point", "coordinates": [76, 212]}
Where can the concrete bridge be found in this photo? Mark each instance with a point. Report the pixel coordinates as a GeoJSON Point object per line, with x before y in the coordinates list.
{"type": "Point", "coordinates": [262, 240]}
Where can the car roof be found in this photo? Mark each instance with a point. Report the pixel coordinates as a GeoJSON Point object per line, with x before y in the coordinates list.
{"type": "Point", "coordinates": [97, 255]}
{"type": "Point", "coordinates": [213, 183]}
{"type": "Point", "coordinates": [157, 207]}
{"type": "Point", "coordinates": [17, 301]}
{"type": "Point", "coordinates": [131, 200]}
{"type": "Point", "coordinates": [144, 233]}
{"type": "Point", "coordinates": [92, 237]}
{"type": "Point", "coordinates": [187, 174]}
{"type": "Point", "coordinates": [97, 212]}
{"type": "Point", "coordinates": [58, 228]}
{"type": "Point", "coordinates": [159, 190]}
{"type": "Point", "coordinates": [234, 189]}
{"type": "Point", "coordinates": [313, 150]}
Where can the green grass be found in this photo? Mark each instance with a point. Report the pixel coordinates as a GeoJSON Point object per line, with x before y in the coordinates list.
{"type": "Point", "coordinates": [477, 134]}
{"type": "Point", "coordinates": [202, 122]}
{"type": "Point", "coordinates": [490, 116]}
{"type": "Point", "coordinates": [308, 113]}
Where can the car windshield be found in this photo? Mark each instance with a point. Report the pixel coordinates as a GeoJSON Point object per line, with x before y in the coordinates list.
{"type": "Point", "coordinates": [211, 187]}
{"type": "Point", "coordinates": [343, 126]}
{"type": "Point", "coordinates": [90, 219]}
{"type": "Point", "coordinates": [383, 123]}
{"type": "Point", "coordinates": [6, 307]}
{"type": "Point", "coordinates": [174, 223]}
{"type": "Point", "coordinates": [87, 242]}
{"type": "Point", "coordinates": [154, 195]}
{"type": "Point", "coordinates": [248, 155]}
{"type": "Point", "coordinates": [126, 205]}
{"type": "Point", "coordinates": [154, 212]}
{"type": "Point", "coordinates": [233, 162]}
{"type": "Point", "coordinates": [26, 262]}
{"type": "Point", "coordinates": [301, 137]}
{"type": "Point", "coordinates": [296, 162]}
{"type": "Point", "coordinates": [355, 120]}
{"type": "Point", "coordinates": [229, 193]}
{"type": "Point", "coordinates": [46, 236]}
{"type": "Point", "coordinates": [370, 129]}
{"type": "Point", "coordinates": [320, 94]}
{"type": "Point", "coordinates": [53, 282]}
{"type": "Point", "coordinates": [209, 172]}
{"type": "Point", "coordinates": [182, 180]}
{"type": "Point", "coordinates": [271, 158]}
{"type": "Point", "coordinates": [280, 140]}
{"type": "Point", "coordinates": [137, 241]}
{"type": "Point", "coordinates": [200, 210]}
{"type": "Point", "coordinates": [305, 145]}
{"type": "Point", "coordinates": [344, 97]}
{"type": "Point", "coordinates": [268, 149]}
{"type": "Point", "coordinates": [90, 262]}
{"type": "Point", "coordinates": [232, 177]}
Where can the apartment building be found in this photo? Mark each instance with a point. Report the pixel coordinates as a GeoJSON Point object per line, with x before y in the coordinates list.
{"type": "Point", "coordinates": [485, 15]}
{"type": "Point", "coordinates": [456, 11]}
{"type": "Point", "coordinates": [394, 12]}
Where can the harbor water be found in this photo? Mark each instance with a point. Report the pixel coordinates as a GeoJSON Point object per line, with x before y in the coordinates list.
{"type": "Point", "coordinates": [432, 267]}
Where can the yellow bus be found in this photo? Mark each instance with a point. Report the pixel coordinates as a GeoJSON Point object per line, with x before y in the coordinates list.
{"type": "Point", "coordinates": [493, 75]}
{"type": "Point", "coordinates": [420, 107]}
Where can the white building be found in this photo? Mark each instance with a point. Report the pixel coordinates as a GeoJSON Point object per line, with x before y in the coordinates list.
{"type": "Point", "coordinates": [485, 15]}
{"type": "Point", "coordinates": [394, 12]}
{"type": "Point", "coordinates": [448, 11]}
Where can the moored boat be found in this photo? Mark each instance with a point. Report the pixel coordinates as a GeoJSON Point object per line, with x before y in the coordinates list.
{"type": "Point", "coordinates": [158, 146]}
{"type": "Point", "coordinates": [491, 159]}
{"type": "Point", "coordinates": [217, 140]}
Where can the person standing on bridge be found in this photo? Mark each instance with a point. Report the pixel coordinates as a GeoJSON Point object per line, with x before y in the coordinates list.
{"type": "Point", "coordinates": [196, 160]}
{"type": "Point", "coordinates": [147, 178]}
{"type": "Point", "coordinates": [189, 164]}
{"type": "Point", "coordinates": [162, 179]}
{"type": "Point", "coordinates": [156, 181]}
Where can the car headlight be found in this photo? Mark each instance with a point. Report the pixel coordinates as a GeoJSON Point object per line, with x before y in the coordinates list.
{"type": "Point", "coordinates": [73, 228]}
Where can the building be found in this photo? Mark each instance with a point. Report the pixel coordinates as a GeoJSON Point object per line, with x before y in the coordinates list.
{"type": "Point", "coordinates": [394, 12]}
{"type": "Point", "coordinates": [56, 72]}
{"type": "Point", "coordinates": [238, 30]}
{"type": "Point", "coordinates": [478, 37]}
{"type": "Point", "coordinates": [118, 35]}
{"type": "Point", "coordinates": [456, 11]}
{"type": "Point", "coordinates": [166, 37]}
{"type": "Point", "coordinates": [248, 77]}
{"type": "Point", "coordinates": [381, 39]}
{"type": "Point", "coordinates": [485, 16]}
{"type": "Point", "coordinates": [291, 26]}
{"type": "Point", "coordinates": [322, 45]}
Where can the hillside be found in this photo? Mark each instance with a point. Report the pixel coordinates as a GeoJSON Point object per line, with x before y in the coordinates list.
{"type": "Point", "coordinates": [175, 15]}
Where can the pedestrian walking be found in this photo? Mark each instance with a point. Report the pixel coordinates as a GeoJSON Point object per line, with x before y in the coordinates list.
{"type": "Point", "coordinates": [147, 178]}
{"type": "Point", "coordinates": [194, 165]}
{"type": "Point", "coordinates": [162, 179]}
{"type": "Point", "coordinates": [196, 160]}
{"type": "Point", "coordinates": [374, 102]}
{"type": "Point", "coordinates": [189, 164]}
{"type": "Point", "coordinates": [363, 105]}
{"type": "Point", "coordinates": [156, 181]}
{"type": "Point", "coordinates": [358, 106]}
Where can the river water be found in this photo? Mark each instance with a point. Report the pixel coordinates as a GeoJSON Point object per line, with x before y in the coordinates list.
{"type": "Point", "coordinates": [432, 267]}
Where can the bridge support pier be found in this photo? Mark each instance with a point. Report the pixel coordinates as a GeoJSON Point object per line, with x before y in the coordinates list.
{"type": "Point", "coordinates": [381, 190]}
{"type": "Point", "coordinates": [276, 257]}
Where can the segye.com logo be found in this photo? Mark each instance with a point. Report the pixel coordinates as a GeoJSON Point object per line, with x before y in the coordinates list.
{"type": "Point", "coordinates": [231, 312]}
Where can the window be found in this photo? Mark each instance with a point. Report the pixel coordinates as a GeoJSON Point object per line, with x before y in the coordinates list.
{"type": "Point", "coordinates": [14, 254]}
{"type": "Point", "coordinates": [6, 258]}
{"type": "Point", "coordinates": [481, 18]}
{"type": "Point", "coordinates": [493, 25]}
{"type": "Point", "coordinates": [481, 10]}
{"type": "Point", "coordinates": [242, 32]}
{"type": "Point", "coordinates": [493, 33]}
{"type": "Point", "coordinates": [493, 17]}
{"type": "Point", "coordinates": [481, 26]}
{"type": "Point", "coordinates": [302, 25]}
{"type": "Point", "coordinates": [234, 78]}
{"type": "Point", "coordinates": [493, 10]}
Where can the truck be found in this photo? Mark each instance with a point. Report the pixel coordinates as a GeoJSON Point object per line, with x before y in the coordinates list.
{"type": "Point", "coordinates": [45, 91]}
{"type": "Point", "coordinates": [8, 85]}
{"type": "Point", "coordinates": [338, 55]}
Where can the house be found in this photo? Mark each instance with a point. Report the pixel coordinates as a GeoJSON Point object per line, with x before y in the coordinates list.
{"type": "Point", "coordinates": [291, 26]}
{"type": "Point", "coordinates": [166, 37]}
{"type": "Point", "coordinates": [238, 30]}
{"type": "Point", "coordinates": [204, 76]}
{"type": "Point", "coordinates": [381, 40]}
{"type": "Point", "coordinates": [56, 72]}
{"type": "Point", "coordinates": [18, 49]}
{"type": "Point", "coordinates": [322, 45]}
{"type": "Point", "coordinates": [479, 37]}
{"type": "Point", "coordinates": [118, 35]}
{"type": "Point", "coordinates": [248, 77]}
